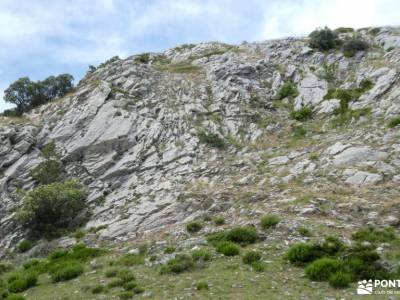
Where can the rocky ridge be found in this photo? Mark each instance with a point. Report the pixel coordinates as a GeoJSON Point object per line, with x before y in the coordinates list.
{"type": "Point", "coordinates": [140, 134]}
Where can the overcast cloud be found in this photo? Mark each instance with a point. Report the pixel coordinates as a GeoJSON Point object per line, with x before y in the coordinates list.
{"type": "Point", "coordinates": [45, 37]}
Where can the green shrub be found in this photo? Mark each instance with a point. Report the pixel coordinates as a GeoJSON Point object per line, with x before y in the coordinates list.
{"type": "Point", "coordinates": [321, 269]}
{"type": "Point", "coordinates": [79, 234]}
{"type": "Point", "coordinates": [216, 237]}
{"type": "Point", "coordinates": [83, 253]}
{"type": "Point", "coordinates": [3, 293]}
{"type": "Point", "coordinates": [258, 266]}
{"type": "Point", "coordinates": [143, 58]}
{"type": "Point", "coordinates": [351, 46]}
{"type": "Point", "coordinates": [202, 285]}
{"type": "Point", "coordinates": [251, 257]}
{"type": "Point", "coordinates": [340, 279]}
{"type": "Point", "coordinates": [304, 231]}
{"type": "Point", "coordinates": [19, 282]}
{"type": "Point", "coordinates": [66, 270]}
{"type": "Point", "coordinates": [394, 122]}
{"type": "Point", "coordinates": [269, 221]}
{"type": "Point", "coordinates": [115, 283]}
{"type": "Point", "coordinates": [201, 255]}
{"type": "Point", "coordinates": [228, 248]}
{"type": "Point", "coordinates": [303, 253]}
{"type": "Point", "coordinates": [125, 295]}
{"type": "Point", "coordinates": [288, 89]}
{"type": "Point", "coordinates": [24, 246]}
{"type": "Point", "coordinates": [126, 275]}
{"type": "Point", "coordinates": [98, 289]}
{"type": "Point", "coordinates": [332, 245]}
{"type": "Point", "coordinates": [178, 265]}
{"type": "Point", "coordinates": [194, 227]}
{"type": "Point", "coordinates": [299, 132]}
{"type": "Point", "coordinates": [302, 114]}
{"type": "Point", "coordinates": [47, 172]}
{"type": "Point", "coordinates": [170, 249]}
{"type": "Point", "coordinates": [56, 254]}
{"type": "Point", "coordinates": [219, 221]}
{"type": "Point", "coordinates": [373, 235]}
{"type": "Point", "coordinates": [111, 272]}
{"type": "Point", "coordinates": [323, 39]}
{"type": "Point", "coordinates": [344, 29]}
{"type": "Point", "coordinates": [242, 235]}
{"type": "Point", "coordinates": [211, 139]}
{"type": "Point", "coordinates": [51, 207]}
{"type": "Point", "coordinates": [130, 285]}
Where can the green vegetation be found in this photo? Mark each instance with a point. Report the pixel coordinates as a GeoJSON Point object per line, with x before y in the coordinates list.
{"type": "Point", "coordinates": [143, 58]}
{"type": "Point", "coordinates": [129, 260]}
{"type": "Point", "coordinates": [194, 226]}
{"type": "Point", "coordinates": [304, 231]}
{"type": "Point", "coordinates": [201, 255]}
{"type": "Point", "coordinates": [251, 257]}
{"type": "Point", "coordinates": [340, 279]}
{"type": "Point", "coordinates": [21, 281]}
{"type": "Point", "coordinates": [219, 221]}
{"type": "Point", "coordinates": [299, 132]}
{"type": "Point", "coordinates": [344, 29]}
{"type": "Point", "coordinates": [300, 254]}
{"type": "Point", "coordinates": [394, 122]}
{"type": "Point", "coordinates": [179, 264]}
{"type": "Point", "coordinates": [47, 172]}
{"type": "Point", "coordinates": [228, 248]}
{"type": "Point", "coordinates": [302, 114]}
{"type": "Point", "coordinates": [269, 221]}
{"type": "Point", "coordinates": [289, 90]}
{"type": "Point", "coordinates": [181, 68]}
{"type": "Point", "coordinates": [374, 235]}
{"type": "Point", "coordinates": [352, 46]}
{"type": "Point", "coordinates": [66, 270]}
{"type": "Point", "coordinates": [321, 269]}
{"type": "Point", "coordinates": [323, 39]}
{"type": "Point", "coordinates": [170, 249]}
{"type": "Point", "coordinates": [27, 94]}
{"type": "Point", "coordinates": [49, 208]}
{"type": "Point", "coordinates": [202, 285]}
{"type": "Point", "coordinates": [24, 246]}
{"type": "Point", "coordinates": [211, 139]}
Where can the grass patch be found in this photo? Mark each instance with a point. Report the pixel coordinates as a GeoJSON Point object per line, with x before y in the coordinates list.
{"type": "Point", "coordinates": [302, 114]}
{"type": "Point", "coordinates": [287, 90]}
{"type": "Point", "coordinates": [394, 122]}
{"type": "Point", "coordinates": [269, 221]}
{"type": "Point", "coordinates": [194, 227]}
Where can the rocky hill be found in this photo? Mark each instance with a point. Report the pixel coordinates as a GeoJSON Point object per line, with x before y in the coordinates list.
{"type": "Point", "coordinates": [199, 131]}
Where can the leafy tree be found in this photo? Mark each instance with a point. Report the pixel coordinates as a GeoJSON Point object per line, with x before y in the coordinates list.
{"type": "Point", "coordinates": [20, 93]}
{"type": "Point", "coordinates": [323, 39]}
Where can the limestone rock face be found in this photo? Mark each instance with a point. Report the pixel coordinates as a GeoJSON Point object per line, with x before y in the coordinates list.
{"type": "Point", "coordinates": [199, 130]}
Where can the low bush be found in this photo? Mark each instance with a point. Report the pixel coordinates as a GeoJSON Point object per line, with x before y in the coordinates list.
{"type": "Point", "coordinates": [321, 269]}
{"type": "Point", "coordinates": [21, 281]}
{"type": "Point", "coordinates": [304, 231]}
{"type": "Point", "coordinates": [51, 207]}
{"type": "Point", "coordinates": [130, 285]}
{"type": "Point", "coordinates": [66, 270]}
{"type": "Point", "coordinates": [211, 139]}
{"type": "Point", "coordinates": [302, 114]}
{"type": "Point", "coordinates": [201, 255]}
{"type": "Point", "coordinates": [15, 297]}
{"type": "Point", "coordinates": [194, 226]}
{"type": "Point", "coordinates": [352, 46]}
{"type": "Point", "coordinates": [126, 275]}
{"type": "Point", "coordinates": [242, 235]}
{"type": "Point", "coordinates": [251, 256]}
{"type": "Point", "coordinates": [24, 246]}
{"type": "Point", "coordinates": [219, 221]}
{"type": "Point", "coordinates": [344, 29]}
{"type": "Point", "coordinates": [111, 272]}
{"type": "Point", "coordinates": [202, 285]}
{"type": "Point", "coordinates": [331, 245]}
{"type": "Point", "coordinates": [258, 266]}
{"type": "Point", "coordinates": [138, 290]}
{"type": "Point", "coordinates": [98, 289]}
{"type": "Point", "coordinates": [269, 221]}
{"type": "Point", "coordinates": [373, 235]}
{"type": "Point", "coordinates": [340, 279]}
{"type": "Point", "coordinates": [323, 39]}
{"type": "Point", "coordinates": [5, 267]}
{"type": "Point", "coordinates": [117, 282]}
{"type": "Point", "coordinates": [303, 253]}
{"type": "Point", "coordinates": [287, 90]}
{"type": "Point", "coordinates": [228, 248]}
{"type": "Point", "coordinates": [394, 122]}
{"type": "Point", "coordinates": [179, 264]}
{"type": "Point", "coordinates": [125, 295]}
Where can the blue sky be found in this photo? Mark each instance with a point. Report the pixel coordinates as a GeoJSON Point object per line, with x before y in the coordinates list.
{"type": "Point", "coordinates": [48, 37]}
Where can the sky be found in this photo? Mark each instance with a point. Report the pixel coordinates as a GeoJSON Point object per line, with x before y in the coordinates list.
{"type": "Point", "coordinates": [48, 37]}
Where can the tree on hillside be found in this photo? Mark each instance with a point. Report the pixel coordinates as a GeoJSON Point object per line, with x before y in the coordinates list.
{"type": "Point", "coordinates": [27, 94]}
